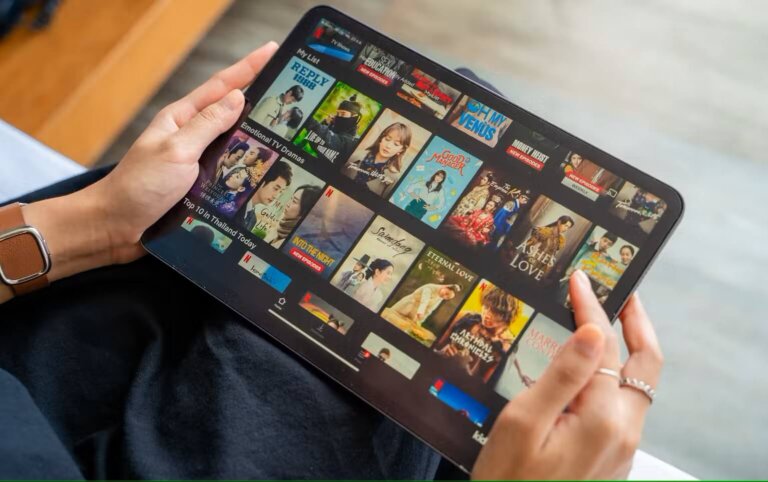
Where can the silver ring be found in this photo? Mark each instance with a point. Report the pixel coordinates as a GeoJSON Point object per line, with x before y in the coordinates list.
{"type": "Point", "coordinates": [610, 373]}
{"type": "Point", "coordinates": [640, 386]}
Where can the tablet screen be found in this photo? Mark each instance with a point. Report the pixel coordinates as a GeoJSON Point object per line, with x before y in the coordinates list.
{"type": "Point", "coordinates": [407, 231]}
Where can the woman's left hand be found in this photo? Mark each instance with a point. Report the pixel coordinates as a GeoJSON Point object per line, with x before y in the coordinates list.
{"type": "Point", "coordinates": [103, 223]}
{"type": "Point", "coordinates": [162, 164]}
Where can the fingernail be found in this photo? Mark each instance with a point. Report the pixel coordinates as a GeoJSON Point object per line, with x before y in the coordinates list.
{"type": "Point", "coordinates": [233, 100]}
{"type": "Point", "coordinates": [588, 340]}
{"type": "Point", "coordinates": [581, 279]}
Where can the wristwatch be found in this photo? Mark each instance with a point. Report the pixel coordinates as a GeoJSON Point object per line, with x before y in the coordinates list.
{"type": "Point", "coordinates": [24, 256]}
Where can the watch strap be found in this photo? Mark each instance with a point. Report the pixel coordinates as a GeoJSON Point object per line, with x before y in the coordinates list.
{"type": "Point", "coordinates": [20, 255]}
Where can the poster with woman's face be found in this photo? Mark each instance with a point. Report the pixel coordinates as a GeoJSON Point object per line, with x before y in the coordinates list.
{"type": "Point", "coordinates": [276, 220]}
{"type": "Point", "coordinates": [227, 181]}
{"type": "Point", "coordinates": [385, 251]}
{"type": "Point", "coordinates": [385, 153]}
{"type": "Point", "coordinates": [435, 181]}
{"type": "Point", "coordinates": [603, 257]}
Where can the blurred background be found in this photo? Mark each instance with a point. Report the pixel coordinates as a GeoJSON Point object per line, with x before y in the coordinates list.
{"type": "Point", "coordinates": [677, 88]}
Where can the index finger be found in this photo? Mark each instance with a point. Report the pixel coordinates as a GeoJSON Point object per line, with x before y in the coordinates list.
{"type": "Point", "coordinates": [638, 330]}
{"type": "Point", "coordinates": [236, 76]}
{"type": "Point", "coordinates": [645, 357]}
{"type": "Point", "coordinates": [588, 310]}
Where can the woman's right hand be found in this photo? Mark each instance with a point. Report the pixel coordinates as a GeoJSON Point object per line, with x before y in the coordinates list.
{"type": "Point", "coordinates": [574, 423]}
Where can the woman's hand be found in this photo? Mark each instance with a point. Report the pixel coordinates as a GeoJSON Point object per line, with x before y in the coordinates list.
{"type": "Point", "coordinates": [574, 423]}
{"type": "Point", "coordinates": [162, 164]}
{"type": "Point", "coordinates": [102, 224]}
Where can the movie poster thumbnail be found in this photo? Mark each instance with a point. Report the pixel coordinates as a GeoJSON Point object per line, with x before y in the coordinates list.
{"type": "Point", "coordinates": [285, 195]}
{"type": "Point", "coordinates": [291, 98]}
{"type": "Point", "coordinates": [334, 41]}
{"type": "Point", "coordinates": [381, 66]}
{"type": "Point", "coordinates": [227, 182]}
{"type": "Point", "coordinates": [431, 293]}
{"type": "Point", "coordinates": [334, 129]}
{"type": "Point", "coordinates": [638, 207]}
{"type": "Point", "coordinates": [530, 147]}
{"type": "Point", "coordinates": [385, 153]}
{"type": "Point", "coordinates": [427, 93]}
{"type": "Point", "coordinates": [552, 235]}
{"type": "Point", "coordinates": [485, 214]}
{"type": "Point", "coordinates": [435, 181]}
{"type": "Point", "coordinates": [603, 258]}
{"type": "Point", "coordinates": [479, 121]}
{"type": "Point", "coordinates": [328, 232]}
{"type": "Point", "coordinates": [271, 276]}
{"type": "Point", "coordinates": [459, 401]}
{"type": "Point", "coordinates": [536, 349]}
{"type": "Point", "coordinates": [587, 178]}
{"type": "Point", "coordinates": [483, 331]}
{"type": "Point", "coordinates": [377, 263]}
{"type": "Point", "coordinates": [207, 234]}
{"type": "Point", "coordinates": [377, 347]}
{"type": "Point", "coordinates": [327, 313]}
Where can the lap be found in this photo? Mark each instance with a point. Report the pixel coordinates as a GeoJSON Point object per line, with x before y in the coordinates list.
{"type": "Point", "coordinates": [142, 375]}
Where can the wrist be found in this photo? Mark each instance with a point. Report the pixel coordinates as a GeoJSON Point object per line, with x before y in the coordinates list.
{"type": "Point", "coordinates": [122, 235]}
{"type": "Point", "coordinates": [76, 231]}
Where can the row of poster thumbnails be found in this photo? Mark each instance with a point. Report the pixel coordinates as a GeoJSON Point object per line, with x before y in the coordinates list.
{"type": "Point", "coordinates": [478, 338]}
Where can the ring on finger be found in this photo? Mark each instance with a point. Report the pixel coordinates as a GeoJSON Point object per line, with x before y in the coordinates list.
{"type": "Point", "coordinates": [610, 373]}
{"type": "Point", "coordinates": [639, 385]}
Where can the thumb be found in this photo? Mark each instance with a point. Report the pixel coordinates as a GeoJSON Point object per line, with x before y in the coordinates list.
{"type": "Point", "coordinates": [209, 123]}
{"type": "Point", "coordinates": [565, 377]}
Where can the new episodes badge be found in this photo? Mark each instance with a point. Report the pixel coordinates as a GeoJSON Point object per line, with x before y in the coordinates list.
{"type": "Point", "coordinates": [328, 231]}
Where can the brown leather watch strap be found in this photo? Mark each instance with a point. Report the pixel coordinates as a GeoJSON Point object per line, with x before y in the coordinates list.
{"type": "Point", "coordinates": [20, 255]}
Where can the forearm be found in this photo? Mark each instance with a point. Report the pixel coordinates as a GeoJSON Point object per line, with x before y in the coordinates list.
{"type": "Point", "coordinates": [77, 232]}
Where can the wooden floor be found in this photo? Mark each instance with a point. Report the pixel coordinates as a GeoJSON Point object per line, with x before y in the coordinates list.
{"type": "Point", "coordinates": [679, 88]}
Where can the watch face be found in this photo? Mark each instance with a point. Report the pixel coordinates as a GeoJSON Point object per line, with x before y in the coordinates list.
{"type": "Point", "coordinates": [23, 255]}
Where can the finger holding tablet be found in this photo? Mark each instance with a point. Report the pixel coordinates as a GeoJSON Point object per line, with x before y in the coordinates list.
{"type": "Point", "coordinates": [578, 420]}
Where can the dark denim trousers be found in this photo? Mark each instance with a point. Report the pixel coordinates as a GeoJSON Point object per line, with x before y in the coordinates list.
{"type": "Point", "coordinates": [132, 372]}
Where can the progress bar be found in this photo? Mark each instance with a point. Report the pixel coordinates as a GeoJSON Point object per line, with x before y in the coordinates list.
{"type": "Point", "coordinates": [314, 341]}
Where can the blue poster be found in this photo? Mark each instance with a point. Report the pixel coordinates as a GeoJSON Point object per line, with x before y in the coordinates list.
{"type": "Point", "coordinates": [291, 98]}
{"type": "Point", "coordinates": [435, 182]}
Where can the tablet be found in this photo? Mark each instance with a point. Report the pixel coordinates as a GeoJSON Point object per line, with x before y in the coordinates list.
{"type": "Point", "coordinates": [407, 231]}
